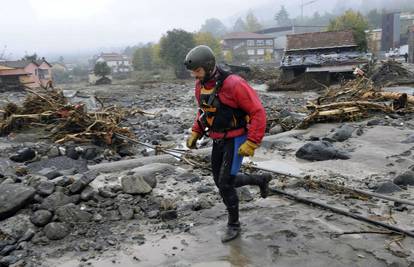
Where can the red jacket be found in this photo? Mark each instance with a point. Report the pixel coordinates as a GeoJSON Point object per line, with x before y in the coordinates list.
{"type": "Point", "coordinates": [238, 94]}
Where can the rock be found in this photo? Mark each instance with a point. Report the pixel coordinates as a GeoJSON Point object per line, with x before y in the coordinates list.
{"type": "Point", "coordinates": [88, 193]}
{"type": "Point", "coordinates": [59, 163]}
{"type": "Point", "coordinates": [53, 152]}
{"type": "Point", "coordinates": [72, 153]}
{"type": "Point", "coordinates": [201, 204]}
{"type": "Point", "coordinates": [126, 150]}
{"type": "Point", "coordinates": [168, 215]}
{"type": "Point", "coordinates": [41, 217]}
{"type": "Point", "coordinates": [375, 122]}
{"type": "Point", "coordinates": [106, 192]}
{"type": "Point", "coordinates": [71, 213]}
{"type": "Point", "coordinates": [56, 200]}
{"type": "Point", "coordinates": [404, 179]}
{"type": "Point", "coordinates": [204, 189]}
{"type": "Point", "coordinates": [244, 194]}
{"type": "Point", "coordinates": [13, 197]}
{"type": "Point", "coordinates": [56, 230]}
{"type": "Point", "coordinates": [45, 188]}
{"type": "Point", "coordinates": [24, 155]}
{"type": "Point", "coordinates": [133, 184]}
{"type": "Point", "coordinates": [148, 172]}
{"type": "Point", "coordinates": [82, 182]}
{"type": "Point", "coordinates": [387, 188]}
{"type": "Point", "coordinates": [90, 153]}
{"type": "Point", "coordinates": [408, 140]}
{"type": "Point", "coordinates": [189, 177]}
{"type": "Point", "coordinates": [63, 181]}
{"type": "Point", "coordinates": [50, 173]}
{"type": "Point", "coordinates": [276, 130]}
{"type": "Point", "coordinates": [153, 214]}
{"type": "Point", "coordinates": [15, 227]}
{"type": "Point", "coordinates": [127, 213]}
{"type": "Point", "coordinates": [320, 150]}
{"type": "Point", "coordinates": [342, 133]}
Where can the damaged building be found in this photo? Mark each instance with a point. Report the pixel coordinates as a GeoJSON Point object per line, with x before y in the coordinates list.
{"type": "Point", "coordinates": [323, 56]}
{"type": "Point", "coordinates": [25, 73]}
{"type": "Point", "coordinates": [411, 45]}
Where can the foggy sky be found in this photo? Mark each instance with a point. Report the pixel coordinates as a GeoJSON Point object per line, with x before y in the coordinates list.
{"type": "Point", "coordinates": [70, 26]}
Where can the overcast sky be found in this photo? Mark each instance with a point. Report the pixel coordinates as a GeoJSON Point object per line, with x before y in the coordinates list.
{"type": "Point", "coordinates": [68, 26]}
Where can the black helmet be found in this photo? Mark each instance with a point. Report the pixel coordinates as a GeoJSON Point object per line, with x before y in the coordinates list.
{"type": "Point", "coordinates": [200, 56]}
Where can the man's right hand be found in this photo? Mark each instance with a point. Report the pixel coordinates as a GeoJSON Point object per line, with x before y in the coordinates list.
{"type": "Point", "coordinates": [192, 140]}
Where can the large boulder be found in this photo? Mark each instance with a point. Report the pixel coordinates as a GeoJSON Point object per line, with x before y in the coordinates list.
{"type": "Point", "coordinates": [320, 150]}
{"type": "Point", "coordinates": [342, 133]}
{"type": "Point", "coordinates": [404, 179]}
{"type": "Point", "coordinates": [56, 200]}
{"type": "Point", "coordinates": [56, 230]}
{"type": "Point", "coordinates": [387, 188]}
{"type": "Point", "coordinates": [41, 217]}
{"type": "Point", "coordinates": [13, 197]}
{"type": "Point", "coordinates": [135, 184]}
{"type": "Point", "coordinates": [72, 213]}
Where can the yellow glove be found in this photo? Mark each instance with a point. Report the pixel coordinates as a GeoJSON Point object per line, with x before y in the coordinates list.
{"type": "Point", "coordinates": [247, 149]}
{"type": "Point", "coordinates": [192, 140]}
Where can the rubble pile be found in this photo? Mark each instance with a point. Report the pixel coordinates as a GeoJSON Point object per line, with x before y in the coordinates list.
{"type": "Point", "coordinates": [391, 73]}
{"type": "Point", "coordinates": [65, 121]}
{"type": "Point", "coordinates": [354, 100]}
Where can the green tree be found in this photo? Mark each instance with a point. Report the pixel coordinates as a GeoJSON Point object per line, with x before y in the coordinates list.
{"type": "Point", "coordinates": [240, 25]}
{"type": "Point", "coordinates": [101, 69]}
{"type": "Point", "coordinates": [252, 23]}
{"type": "Point", "coordinates": [143, 58]}
{"type": "Point", "coordinates": [60, 76]}
{"type": "Point", "coordinates": [174, 46]}
{"type": "Point", "coordinates": [80, 71]}
{"type": "Point", "coordinates": [206, 38]}
{"type": "Point", "coordinates": [282, 17]}
{"type": "Point", "coordinates": [215, 27]}
{"type": "Point", "coordinates": [355, 22]}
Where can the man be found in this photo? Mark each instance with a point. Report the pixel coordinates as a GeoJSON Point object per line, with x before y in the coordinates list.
{"type": "Point", "coordinates": [230, 112]}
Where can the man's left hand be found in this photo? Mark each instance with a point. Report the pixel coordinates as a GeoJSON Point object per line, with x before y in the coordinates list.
{"type": "Point", "coordinates": [247, 149]}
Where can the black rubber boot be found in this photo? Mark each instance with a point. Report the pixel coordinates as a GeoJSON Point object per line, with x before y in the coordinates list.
{"type": "Point", "coordinates": [261, 180]}
{"type": "Point", "coordinates": [233, 225]}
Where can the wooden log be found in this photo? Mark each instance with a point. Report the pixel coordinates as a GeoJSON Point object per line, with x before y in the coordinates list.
{"type": "Point", "coordinates": [388, 95]}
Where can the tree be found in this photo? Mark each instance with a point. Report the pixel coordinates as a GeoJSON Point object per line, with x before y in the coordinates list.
{"type": "Point", "coordinates": [206, 38]}
{"type": "Point", "coordinates": [355, 22]}
{"type": "Point", "coordinates": [143, 58]}
{"type": "Point", "coordinates": [30, 57]}
{"type": "Point", "coordinates": [174, 46]}
{"type": "Point", "coordinates": [101, 69]}
{"type": "Point", "coordinates": [239, 25]}
{"type": "Point", "coordinates": [282, 17]}
{"type": "Point", "coordinates": [214, 26]}
{"type": "Point", "coordinates": [252, 24]}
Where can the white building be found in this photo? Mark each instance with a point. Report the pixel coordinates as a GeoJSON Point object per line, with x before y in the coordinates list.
{"type": "Point", "coordinates": [117, 62]}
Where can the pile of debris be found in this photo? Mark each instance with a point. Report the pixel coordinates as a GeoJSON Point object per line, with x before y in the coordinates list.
{"type": "Point", "coordinates": [302, 82]}
{"type": "Point", "coordinates": [391, 73]}
{"type": "Point", "coordinates": [65, 121]}
{"type": "Point", "coordinates": [354, 100]}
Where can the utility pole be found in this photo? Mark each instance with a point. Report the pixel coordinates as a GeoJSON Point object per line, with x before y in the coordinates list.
{"type": "Point", "coordinates": [305, 4]}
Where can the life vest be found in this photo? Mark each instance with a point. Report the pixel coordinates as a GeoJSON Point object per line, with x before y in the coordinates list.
{"type": "Point", "coordinates": [214, 116]}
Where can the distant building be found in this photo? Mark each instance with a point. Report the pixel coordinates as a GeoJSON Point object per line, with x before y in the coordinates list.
{"type": "Point", "coordinates": [119, 64]}
{"type": "Point", "coordinates": [391, 31]}
{"type": "Point", "coordinates": [323, 56]}
{"type": "Point", "coordinates": [411, 45]}
{"type": "Point", "coordinates": [25, 73]}
{"type": "Point", "coordinates": [279, 35]}
{"type": "Point", "coordinates": [406, 22]}
{"type": "Point", "coordinates": [248, 47]}
{"type": "Point", "coordinates": [374, 38]}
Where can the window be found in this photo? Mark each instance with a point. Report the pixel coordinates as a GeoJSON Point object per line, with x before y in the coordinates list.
{"type": "Point", "coordinates": [260, 51]}
{"type": "Point", "coordinates": [250, 42]}
{"type": "Point", "coordinates": [250, 52]}
{"type": "Point", "coordinates": [269, 42]}
{"type": "Point", "coordinates": [260, 42]}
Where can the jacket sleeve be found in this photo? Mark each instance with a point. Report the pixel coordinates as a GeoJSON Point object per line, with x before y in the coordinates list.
{"type": "Point", "coordinates": [248, 100]}
{"type": "Point", "coordinates": [196, 126]}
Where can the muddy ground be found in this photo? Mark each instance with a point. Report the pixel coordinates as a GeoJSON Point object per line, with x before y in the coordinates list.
{"type": "Point", "coordinates": [170, 213]}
